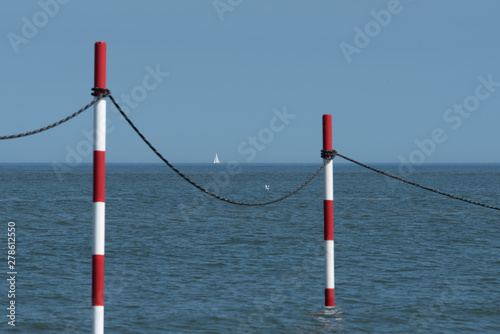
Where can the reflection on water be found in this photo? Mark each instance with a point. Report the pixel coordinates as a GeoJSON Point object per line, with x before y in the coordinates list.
{"type": "Point", "coordinates": [327, 320]}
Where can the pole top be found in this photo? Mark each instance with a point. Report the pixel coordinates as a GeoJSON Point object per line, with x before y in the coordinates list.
{"type": "Point", "coordinates": [100, 66]}
{"type": "Point", "coordinates": [327, 132]}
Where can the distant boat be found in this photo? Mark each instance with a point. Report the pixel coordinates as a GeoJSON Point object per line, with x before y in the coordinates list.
{"type": "Point", "coordinates": [216, 159]}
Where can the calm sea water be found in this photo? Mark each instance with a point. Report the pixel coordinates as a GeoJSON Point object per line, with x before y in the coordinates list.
{"type": "Point", "coordinates": [178, 261]}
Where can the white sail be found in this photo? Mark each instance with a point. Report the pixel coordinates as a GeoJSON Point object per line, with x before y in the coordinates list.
{"type": "Point", "coordinates": [216, 159]}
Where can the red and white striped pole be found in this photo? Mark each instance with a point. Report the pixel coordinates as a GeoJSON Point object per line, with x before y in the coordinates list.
{"type": "Point", "coordinates": [328, 213]}
{"type": "Point", "coordinates": [99, 181]}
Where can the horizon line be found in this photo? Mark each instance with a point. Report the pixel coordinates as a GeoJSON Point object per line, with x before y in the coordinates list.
{"type": "Point", "coordinates": [249, 163]}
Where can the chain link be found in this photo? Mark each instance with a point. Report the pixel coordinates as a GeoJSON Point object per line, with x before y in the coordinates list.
{"type": "Point", "coordinates": [105, 94]}
{"type": "Point", "coordinates": [197, 185]}
{"type": "Point", "coordinates": [100, 93]}
{"type": "Point", "coordinates": [416, 184]}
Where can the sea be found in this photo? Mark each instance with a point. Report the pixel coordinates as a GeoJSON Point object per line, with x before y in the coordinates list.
{"type": "Point", "coordinates": [179, 261]}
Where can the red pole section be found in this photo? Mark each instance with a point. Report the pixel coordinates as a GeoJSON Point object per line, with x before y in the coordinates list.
{"type": "Point", "coordinates": [328, 215]}
{"type": "Point", "coordinates": [99, 190]}
{"type": "Point", "coordinates": [100, 65]}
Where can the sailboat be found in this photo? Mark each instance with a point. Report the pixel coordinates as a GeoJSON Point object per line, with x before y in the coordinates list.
{"type": "Point", "coordinates": [216, 159]}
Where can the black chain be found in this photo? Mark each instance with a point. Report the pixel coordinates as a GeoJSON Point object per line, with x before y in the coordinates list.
{"type": "Point", "coordinates": [197, 185]}
{"type": "Point", "coordinates": [105, 93]}
{"type": "Point", "coordinates": [415, 184]}
{"type": "Point", "coordinates": [327, 155]}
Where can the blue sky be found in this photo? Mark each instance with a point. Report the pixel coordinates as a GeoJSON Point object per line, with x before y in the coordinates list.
{"type": "Point", "coordinates": [405, 81]}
